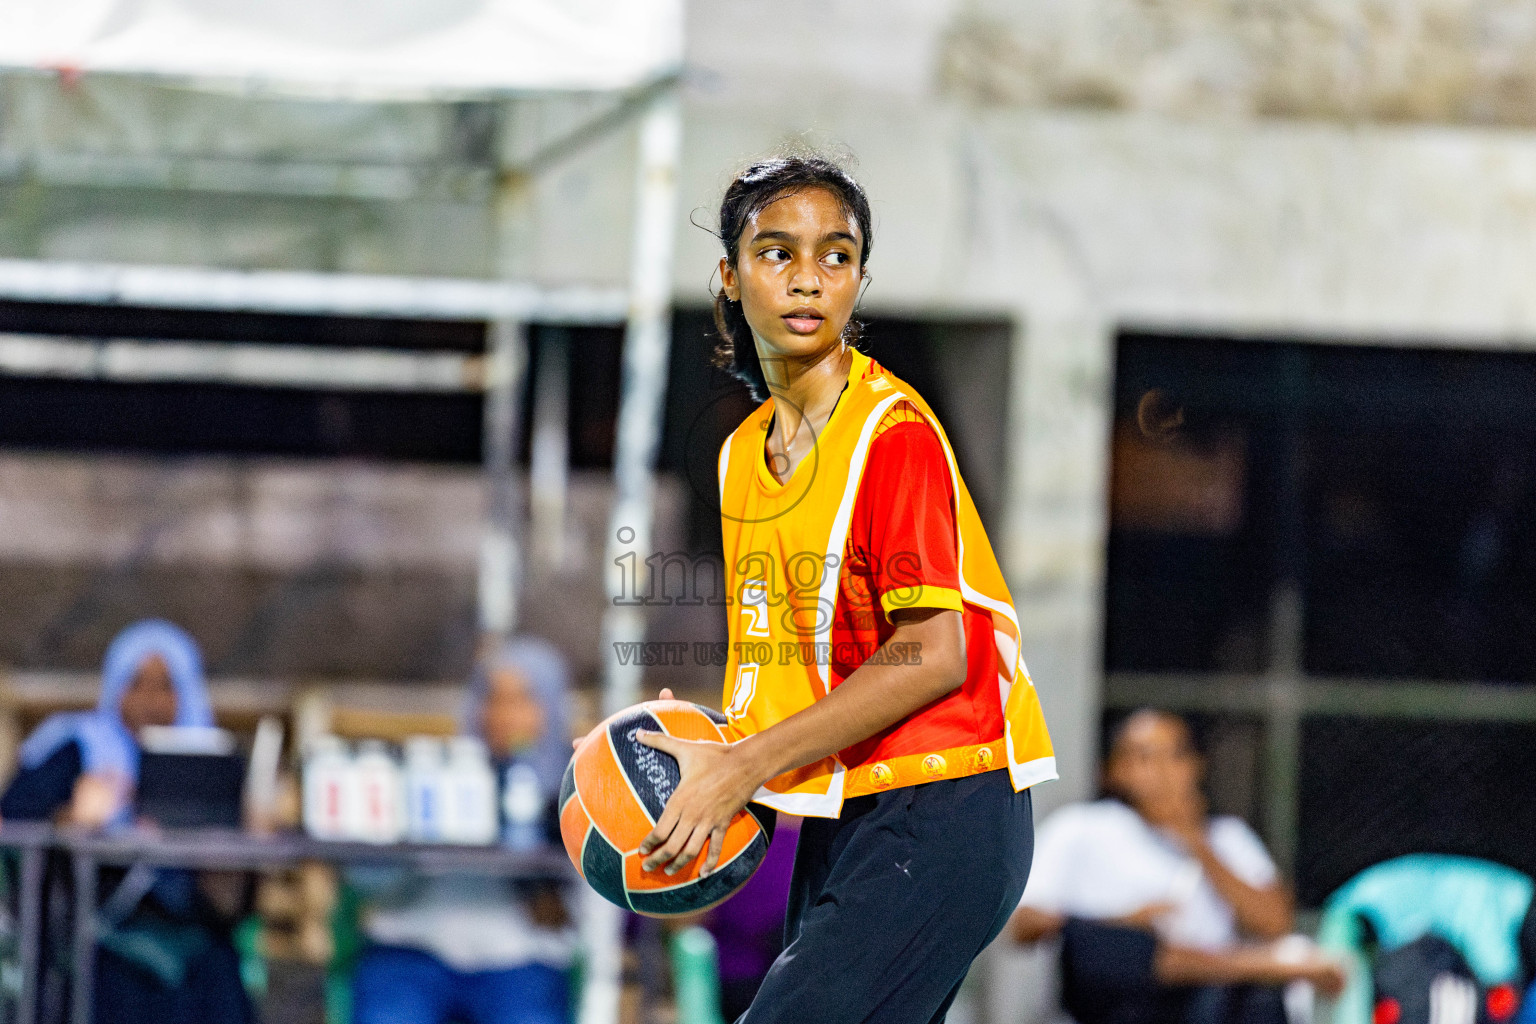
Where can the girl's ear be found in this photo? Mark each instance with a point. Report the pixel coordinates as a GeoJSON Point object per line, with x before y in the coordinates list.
{"type": "Point", "coordinates": [728, 283]}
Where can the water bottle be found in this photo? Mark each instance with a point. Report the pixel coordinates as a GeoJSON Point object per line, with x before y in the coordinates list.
{"type": "Point", "coordinates": [378, 805]}
{"type": "Point", "coordinates": [327, 768]}
{"type": "Point", "coordinates": [696, 976]}
{"type": "Point", "coordinates": [471, 817]}
{"type": "Point", "coordinates": [522, 807]}
{"type": "Point", "coordinates": [425, 790]}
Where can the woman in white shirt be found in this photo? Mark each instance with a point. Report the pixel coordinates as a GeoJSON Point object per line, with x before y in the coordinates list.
{"type": "Point", "coordinates": [1167, 914]}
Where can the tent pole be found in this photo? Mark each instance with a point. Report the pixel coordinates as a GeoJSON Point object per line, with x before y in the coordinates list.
{"type": "Point", "coordinates": [500, 557]}
{"type": "Point", "coordinates": [549, 452]}
{"type": "Point", "coordinates": [646, 348]}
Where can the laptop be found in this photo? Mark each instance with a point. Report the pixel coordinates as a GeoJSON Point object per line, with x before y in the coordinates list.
{"type": "Point", "coordinates": [190, 777]}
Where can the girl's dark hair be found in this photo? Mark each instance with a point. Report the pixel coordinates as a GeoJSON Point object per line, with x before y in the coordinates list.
{"type": "Point", "coordinates": [756, 187]}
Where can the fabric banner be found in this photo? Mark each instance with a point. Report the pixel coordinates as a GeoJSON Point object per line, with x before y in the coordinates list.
{"type": "Point", "coordinates": [362, 48]}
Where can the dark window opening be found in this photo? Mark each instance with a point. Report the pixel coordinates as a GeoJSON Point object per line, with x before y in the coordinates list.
{"type": "Point", "coordinates": [592, 415]}
{"type": "Point", "coordinates": [196, 418]}
{"type": "Point", "coordinates": [172, 419]}
{"type": "Point", "coordinates": [109, 321]}
{"type": "Point", "coordinates": [1194, 472]}
{"type": "Point", "coordinates": [1373, 789]}
{"type": "Point", "coordinates": [1395, 488]}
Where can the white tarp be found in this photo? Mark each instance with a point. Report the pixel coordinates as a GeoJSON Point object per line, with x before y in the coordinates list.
{"type": "Point", "coordinates": [365, 48]}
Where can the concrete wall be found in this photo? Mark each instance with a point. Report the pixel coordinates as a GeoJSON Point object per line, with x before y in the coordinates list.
{"type": "Point", "coordinates": [1465, 61]}
{"type": "Point", "coordinates": [299, 571]}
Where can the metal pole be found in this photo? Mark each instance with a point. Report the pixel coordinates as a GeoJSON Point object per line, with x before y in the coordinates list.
{"type": "Point", "coordinates": [1282, 732]}
{"type": "Point", "coordinates": [646, 343]}
{"type": "Point", "coordinates": [1287, 663]}
{"type": "Point", "coordinates": [30, 930]}
{"type": "Point", "coordinates": [500, 554]}
{"type": "Point", "coordinates": [82, 977]}
{"type": "Point", "coordinates": [549, 453]}
{"type": "Point", "coordinates": [141, 360]}
{"type": "Point", "coordinates": [292, 291]}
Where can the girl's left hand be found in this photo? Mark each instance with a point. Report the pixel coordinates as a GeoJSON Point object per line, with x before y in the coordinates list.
{"type": "Point", "coordinates": [716, 783]}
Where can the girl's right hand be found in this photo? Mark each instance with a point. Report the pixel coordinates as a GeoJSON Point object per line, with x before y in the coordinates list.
{"type": "Point", "coordinates": [665, 694]}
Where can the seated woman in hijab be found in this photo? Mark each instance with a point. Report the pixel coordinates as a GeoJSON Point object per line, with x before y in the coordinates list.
{"type": "Point", "coordinates": [471, 949]}
{"type": "Point", "coordinates": [166, 955]}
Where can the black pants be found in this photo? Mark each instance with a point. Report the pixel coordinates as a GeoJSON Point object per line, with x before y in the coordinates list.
{"type": "Point", "coordinates": [211, 994]}
{"type": "Point", "coordinates": [1108, 977]}
{"type": "Point", "coordinates": [890, 903]}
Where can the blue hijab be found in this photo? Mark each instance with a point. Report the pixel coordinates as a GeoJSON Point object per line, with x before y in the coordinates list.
{"type": "Point", "coordinates": [105, 742]}
{"type": "Point", "coordinates": [544, 668]}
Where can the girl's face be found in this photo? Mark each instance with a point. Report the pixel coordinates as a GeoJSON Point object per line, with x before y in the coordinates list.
{"type": "Point", "coordinates": [513, 718]}
{"type": "Point", "coordinates": [151, 700]}
{"type": "Point", "coordinates": [797, 276]}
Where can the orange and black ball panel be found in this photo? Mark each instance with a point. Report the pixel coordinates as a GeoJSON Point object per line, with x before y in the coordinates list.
{"type": "Point", "coordinates": [616, 788]}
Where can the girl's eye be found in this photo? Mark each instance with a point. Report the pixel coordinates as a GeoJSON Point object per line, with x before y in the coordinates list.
{"type": "Point", "coordinates": [776, 253]}
{"type": "Point", "coordinates": [837, 259]}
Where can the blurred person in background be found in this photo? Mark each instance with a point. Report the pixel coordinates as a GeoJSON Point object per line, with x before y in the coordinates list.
{"type": "Point", "coordinates": [466, 948]}
{"type": "Point", "coordinates": [166, 955]}
{"type": "Point", "coordinates": [1166, 912]}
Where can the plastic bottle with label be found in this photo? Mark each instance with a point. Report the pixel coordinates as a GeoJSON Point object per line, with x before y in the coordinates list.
{"type": "Point", "coordinates": [522, 807]}
{"type": "Point", "coordinates": [326, 781]}
{"type": "Point", "coordinates": [378, 804]}
{"type": "Point", "coordinates": [426, 794]}
{"type": "Point", "coordinates": [471, 785]}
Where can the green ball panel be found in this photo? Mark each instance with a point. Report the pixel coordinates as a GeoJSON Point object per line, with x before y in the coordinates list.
{"type": "Point", "coordinates": [603, 867]}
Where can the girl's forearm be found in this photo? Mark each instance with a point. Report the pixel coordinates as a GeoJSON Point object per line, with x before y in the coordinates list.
{"type": "Point", "coordinates": [878, 694]}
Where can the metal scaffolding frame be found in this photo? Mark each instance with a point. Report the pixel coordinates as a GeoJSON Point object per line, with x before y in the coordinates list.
{"type": "Point", "coordinates": [307, 292]}
{"type": "Point", "coordinates": [508, 307]}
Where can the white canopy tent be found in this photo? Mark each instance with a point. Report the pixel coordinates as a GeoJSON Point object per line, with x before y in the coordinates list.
{"type": "Point", "coordinates": [361, 48]}
{"type": "Point", "coordinates": [394, 50]}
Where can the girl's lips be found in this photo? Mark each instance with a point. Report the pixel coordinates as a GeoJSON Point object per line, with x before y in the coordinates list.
{"type": "Point", "coordinates": [803, 324]}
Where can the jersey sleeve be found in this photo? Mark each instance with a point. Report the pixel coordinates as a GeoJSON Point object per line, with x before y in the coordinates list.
{"type": "Point", "coordinates": [904, 518]}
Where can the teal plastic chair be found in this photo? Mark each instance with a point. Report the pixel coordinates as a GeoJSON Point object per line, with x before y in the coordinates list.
{"type": "Point", "coordinates": [1476, 905]}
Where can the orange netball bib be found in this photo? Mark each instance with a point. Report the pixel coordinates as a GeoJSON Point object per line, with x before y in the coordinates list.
{"type": "Point", "coordinates": [784, 550]}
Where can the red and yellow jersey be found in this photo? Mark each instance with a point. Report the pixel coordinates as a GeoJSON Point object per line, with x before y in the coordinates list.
{"type": "Point", "coordinates": [874, 519]}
